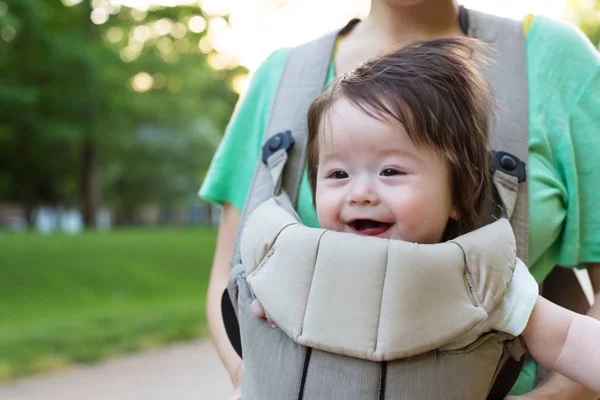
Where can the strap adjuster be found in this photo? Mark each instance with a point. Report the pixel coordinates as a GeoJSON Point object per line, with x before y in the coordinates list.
{"type": "Point", "coordinates": [282, 140]}
{"type": "Point", "coordinates": [509, 164]}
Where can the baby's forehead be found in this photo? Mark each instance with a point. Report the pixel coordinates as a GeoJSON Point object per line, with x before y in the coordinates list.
{"type": "Point", "coordinates": [346, 126]}
{"type": "Point", "coordinates": [354, 146]}
{"type": "Point", "coordinates": [347, 115]}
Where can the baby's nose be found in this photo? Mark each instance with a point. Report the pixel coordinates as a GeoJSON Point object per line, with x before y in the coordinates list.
{"type": "Point", "coordinates": [363, 195]}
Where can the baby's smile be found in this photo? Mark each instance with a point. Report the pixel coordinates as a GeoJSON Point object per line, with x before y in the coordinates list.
{"type": "Point", "coordinates": [369, 227]}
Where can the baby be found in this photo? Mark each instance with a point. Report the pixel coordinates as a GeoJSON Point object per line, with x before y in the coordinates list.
{"type": "Point", "coordinates": [397, 149]}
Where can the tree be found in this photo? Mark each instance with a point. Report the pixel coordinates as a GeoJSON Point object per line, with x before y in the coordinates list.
{"type": "Point", "coordinates": [37, 115]}
{"type": "Point", "coordinates": [134, 95]}
{"type": "Point", "coordinates": [586, 14]}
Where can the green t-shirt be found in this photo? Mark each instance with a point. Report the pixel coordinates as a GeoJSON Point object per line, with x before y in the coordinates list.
{"type": "Point", "coordinates": [564, 150]}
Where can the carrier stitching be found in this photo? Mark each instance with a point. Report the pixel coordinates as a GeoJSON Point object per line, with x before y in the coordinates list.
{"type": "Point", "coordinates": [471, 292]}
{"type": "Point", "coordinates": [471, 347]}
{"type": "Point", "coordinates": [468, 277]}
{"type": "Point", "coordinates": [262, 263]}
{"type": "Point", "coordinates": [304, 373]}
{"type": "Point", "coordinates": [382, 293]}
{"type": "Point", "coordinates": [311, 284]}
{"type": "Point", "coordinates": [268, 255]}
{"type": "Point", "coordinates": [382, 380]}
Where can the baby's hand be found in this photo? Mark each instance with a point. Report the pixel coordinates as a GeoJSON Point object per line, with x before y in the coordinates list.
{"type": "Point", "coordinates": [259, 311]}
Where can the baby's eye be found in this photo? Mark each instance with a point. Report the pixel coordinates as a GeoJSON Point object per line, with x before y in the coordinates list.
{"type": "Point", "coordinates": [390, 172]}
{"type": "Point", "coordinates": [338, 174]}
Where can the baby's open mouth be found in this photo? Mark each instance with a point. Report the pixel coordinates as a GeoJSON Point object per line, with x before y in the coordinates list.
{"type": "Point", "coordinates": [369, 227]}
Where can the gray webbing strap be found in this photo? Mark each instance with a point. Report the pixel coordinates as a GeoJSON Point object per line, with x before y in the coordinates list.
{"type": "Point", "coordinates": [507, 187]}
{"type": "Point", "coordinates": [276, 163]}
{"type": "Point", "coordinates": [303, 79]}
{"type": "Point", "coordinates": [507, 72]}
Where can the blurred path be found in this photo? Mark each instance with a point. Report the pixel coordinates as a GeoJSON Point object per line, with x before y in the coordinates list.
{"type": "Point", "coordinates": [180, 372]}
{"type": "Point", "coordinates": [189, 371]}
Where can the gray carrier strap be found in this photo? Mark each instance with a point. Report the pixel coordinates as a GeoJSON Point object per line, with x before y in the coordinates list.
{"type": "Point", "coordinates": [276, 367]}
{"type": "Point", "coordinates": [507, 74]}
{"type": "Point", "coordinates": [303, 79]}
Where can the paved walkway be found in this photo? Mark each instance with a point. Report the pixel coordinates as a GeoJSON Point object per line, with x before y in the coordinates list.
{"type": "Point", "coordinates": [181, 372]}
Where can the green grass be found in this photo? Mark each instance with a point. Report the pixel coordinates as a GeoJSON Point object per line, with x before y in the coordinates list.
{"type": "Point", "coordinates": [68, 299]}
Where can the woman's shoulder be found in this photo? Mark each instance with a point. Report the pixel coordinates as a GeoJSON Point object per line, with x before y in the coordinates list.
{"type": "Point", "coordinates": [560, 49]}
{"type": "Point", "coordinates": [268, 73]}
{"type": "Point", "coordinates": [562, 36]}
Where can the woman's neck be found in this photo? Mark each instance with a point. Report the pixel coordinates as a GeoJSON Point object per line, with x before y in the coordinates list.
{"type": "Point", "coordinates": [390, 25]}
{"type": "Point", "coordinates": [426, 19]}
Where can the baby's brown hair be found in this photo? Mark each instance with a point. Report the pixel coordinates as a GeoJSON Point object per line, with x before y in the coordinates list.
{"type": "Point", "coordinates": [435, 90]}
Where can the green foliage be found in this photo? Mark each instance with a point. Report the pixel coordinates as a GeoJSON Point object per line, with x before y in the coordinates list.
{"type": "Point", "coordinates": [66, 299]}
{"type": "Point", "coordinates": [586, 14]}
{"type": "Point", "coordinates": [64, 80]}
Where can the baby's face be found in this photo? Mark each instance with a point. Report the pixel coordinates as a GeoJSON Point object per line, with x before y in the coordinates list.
{"type": "Point", "coordinates": [373, 180]}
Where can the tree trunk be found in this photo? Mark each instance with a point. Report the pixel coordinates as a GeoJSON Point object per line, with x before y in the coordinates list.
{"type": "Point", "coordinates": [209, 215]}
{"type": "Point", "coordinates": [90, 185]}
{"type": "Point", "coordinates": [25, 174]}
{"type": "Point", "coordinates": [29, 216]}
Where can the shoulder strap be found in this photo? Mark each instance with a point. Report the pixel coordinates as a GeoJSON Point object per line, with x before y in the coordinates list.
{"type": "Point", "coordinates": [303, 79]}
{"type": "Point", "coordinates": [507, 73]}
{"type": "Point", "coordinates": [305, 75]}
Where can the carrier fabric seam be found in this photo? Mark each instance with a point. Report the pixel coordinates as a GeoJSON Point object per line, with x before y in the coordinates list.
{"type": "Point", "coordinates": [387, 261]}
{"type": "Point", "coordinates": [382, 380]}
{"type": "Point", "coordinates": [311, 283]}
{"type": "Point", "coordinates": [473, 293]}
{"type": "Point", "coordinates": [304, 373]}
{"type": "Point", "coordinates": [269, 253]}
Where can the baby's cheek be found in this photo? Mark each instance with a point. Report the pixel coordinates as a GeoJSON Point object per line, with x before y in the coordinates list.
{"type": "Point", "coordinates": [412, 213]}
{"type": "Point", "coordinates": [327, 216]}
{"type": "Point", "coordinates": [410, 205]}
{"type": "Point", "coordinates": [327, 212]}
{"type": "Point", "coordinates": [426, 219]}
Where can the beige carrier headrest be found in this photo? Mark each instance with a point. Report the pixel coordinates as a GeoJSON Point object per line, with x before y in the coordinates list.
{"type": "Point", "coordinates": [373, 298]}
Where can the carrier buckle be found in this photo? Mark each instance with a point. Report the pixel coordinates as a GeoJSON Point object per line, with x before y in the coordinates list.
{"type": "Point", "coordinates": [282, 140]}
{"type": "Point", "coordinates": [509, 164]}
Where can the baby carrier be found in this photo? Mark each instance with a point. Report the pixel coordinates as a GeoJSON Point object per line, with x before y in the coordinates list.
{"type": "Point", "coordinates": [318, 350]}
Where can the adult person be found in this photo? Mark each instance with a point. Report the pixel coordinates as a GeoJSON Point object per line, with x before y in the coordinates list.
{"type": "Point", "coordinates": [564, 121]}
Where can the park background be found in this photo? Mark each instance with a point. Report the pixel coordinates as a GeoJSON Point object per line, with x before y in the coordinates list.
{"type": "Point", "coordinates": [110, 111]}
